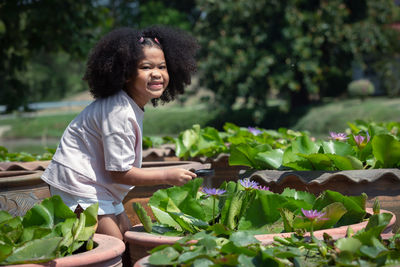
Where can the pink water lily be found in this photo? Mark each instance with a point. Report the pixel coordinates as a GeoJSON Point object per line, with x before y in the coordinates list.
{"type": "Point", "coordinates": [263, 187]}
{"type": "Point", "coordinates": [314, 215]}
{"type": "Point", "coordinates": [361, 141]}
{"type": "Point", "coordinates": [338, 136]}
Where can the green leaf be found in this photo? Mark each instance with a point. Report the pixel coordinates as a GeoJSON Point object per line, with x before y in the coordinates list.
{"type": "Point", "coordinates": [243, 239]}
{"type": "Point", "coordinates": [5, 251]}
{"type": "Point", "coordinates": [355, 205]}
{"type": "Point", "coordinates": [271, 159]}
{"type": "Point", "coordinates": [333, 212]}
{"type": "Point", "coordinates": [143, 217]}
{"type": "Point", "coordinates": [165, 218]}
{"type": "Point", "coordinates": [35, 251]}
{"type": "Point", "coordinates": [375, 250]}
{"type": "Point", "coordinates": [319, 161]}
{"type": "Point", "coordinates": [202, 262]}
{"type": "Point", "coordinates": [299, 195]}
{"type": "Point", "coordinates": [166, 256]}
{"type": "Point", "coordinates": [187, 222]}
{"type": "Point", "coordinates": [338, 148]}
{"type": "Point", "coordinates": [304, 145]}
{"type": "Point", "coordinates": [345, 162]}
{"type": "Point", "coordinates": [349, 244]}
{"type": "Point", "coordinates": [4, 216]}
{"type": "Point", "coordinates": [386, 150]}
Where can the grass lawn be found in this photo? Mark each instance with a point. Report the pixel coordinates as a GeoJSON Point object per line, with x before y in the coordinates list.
{"type": "Point", "coordinates": [334, 115]}
{"type": "Point", "coordinates": [32, 133]}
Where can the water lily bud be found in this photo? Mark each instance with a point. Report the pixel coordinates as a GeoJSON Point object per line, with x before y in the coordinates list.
{"type": "Point", "coordinates": [349, 232]}
{"type": "Point", "coordinates": [376, 207]}
{"type": "Point", "coordinates": [322, 249]}
{"type": "Point", "coordinates": [89, 244]}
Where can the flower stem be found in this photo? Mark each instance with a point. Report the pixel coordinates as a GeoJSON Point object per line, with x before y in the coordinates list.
{"type": "Point", "coordinates": [213, 211]}
{"type": "Point", "coordinates": [312, 229]}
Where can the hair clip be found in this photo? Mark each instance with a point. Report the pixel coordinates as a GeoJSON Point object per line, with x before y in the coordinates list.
{"type": "Point", "coordinates": [141, 40]}
{"type": "Point", "coordinates": [156, 40]}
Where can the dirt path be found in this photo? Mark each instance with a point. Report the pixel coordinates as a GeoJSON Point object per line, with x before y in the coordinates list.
{"type": "Point", "coordinates": [3, 129]}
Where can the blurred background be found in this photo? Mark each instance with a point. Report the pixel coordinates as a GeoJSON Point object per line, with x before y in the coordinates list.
{"type": "Point", "coordinates": [303, 64]}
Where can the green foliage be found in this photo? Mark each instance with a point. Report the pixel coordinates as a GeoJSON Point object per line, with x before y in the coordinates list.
{"type": "Point", "coordinates": [380, 149]}
{"type": "Point", "coordinates": [360, 88]}
{"type": "Point", "coordinates": [213, 248]}
{"type": "Point", "coordinates": [336, 114]}
{"type": "Point", "coordinates": [48, 230]}
{"type": "Point", "coordinates": [24, 156]}
{"type": "Point", "coordinates": [30, 27]}
{"type": "Point", "coordinates": [292, 48]}
{"type": "Point", "coordinates": [210, 142]}
{"type": "Point", "coordinates": [185, 209]}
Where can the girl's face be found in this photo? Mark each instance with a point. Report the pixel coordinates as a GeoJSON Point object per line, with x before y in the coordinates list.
{"type": "Point", "coordinates": [152, 77]}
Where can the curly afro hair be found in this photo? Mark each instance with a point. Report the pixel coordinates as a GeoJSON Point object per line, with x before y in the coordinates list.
{"type": "Point", "coordinates": [115, 58]}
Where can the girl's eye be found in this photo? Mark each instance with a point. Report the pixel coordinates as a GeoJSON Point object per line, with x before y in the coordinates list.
{"type": "Point", "coordinates": [162, 67]}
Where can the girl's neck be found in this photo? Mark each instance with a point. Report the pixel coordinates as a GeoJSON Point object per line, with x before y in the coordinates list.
{"type": "Point", "coordinates": [141, 106]}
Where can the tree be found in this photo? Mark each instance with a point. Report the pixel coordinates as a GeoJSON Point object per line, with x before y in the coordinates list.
{"type": "Point", "coordinates": [297, 49]}
{"type": "Point", "coordinates": [28, 27]}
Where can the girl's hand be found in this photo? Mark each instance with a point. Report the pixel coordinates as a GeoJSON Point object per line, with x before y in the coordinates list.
{"type": "Point", "coordinates": [178, 176]}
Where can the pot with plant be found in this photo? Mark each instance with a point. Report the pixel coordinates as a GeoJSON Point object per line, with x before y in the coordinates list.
{"type": "Point", "coordinates": [214, 147]}
{"type": "Point", "coordinates": [364, 159]}
{"type": "Point", "coordinates": [366, 247]}
{"type": "Point", "coordinates": [243, 206]}
{"type": "Point", "coordinates": [142, 194]}
{"type": "Point", "coordinates": [50, 234]}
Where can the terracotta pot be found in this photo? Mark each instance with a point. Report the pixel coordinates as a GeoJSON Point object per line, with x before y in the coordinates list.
{"type": "Point", "coordinates": [383, 184]}
{"type": "Point", "coordinates": [142, 194]}
{"type": "Point", "coordinates": [144, 261]}
{"type": "Point", "coordinates": [107, 253]}
{"type": "Point", "coordinates": [141, 242]}
{"type": "Point", "coordinates": [21, 190]}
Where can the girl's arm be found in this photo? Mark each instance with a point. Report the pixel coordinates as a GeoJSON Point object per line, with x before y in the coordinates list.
{"type": "Point", "coordinates": [142, 177]}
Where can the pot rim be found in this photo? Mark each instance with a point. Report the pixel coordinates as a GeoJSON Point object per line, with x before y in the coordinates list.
{"type": "Point", "coordinates": [145, 260]}
{"type": "Point", "coordinates": [150, 240]}
{"type": "Point", "coordinates": [108, 247]}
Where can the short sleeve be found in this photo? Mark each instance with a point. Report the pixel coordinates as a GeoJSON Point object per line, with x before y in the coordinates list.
{"type": "Point", "coordinates": [119, 151]}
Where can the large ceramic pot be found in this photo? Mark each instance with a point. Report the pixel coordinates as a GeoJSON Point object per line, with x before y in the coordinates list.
{"type": "Point", "coordinates": [141, 242]}
{"type": "Point", "coordinates": [107, 252]}
{"type": "Point", "coordinates": [142, 194]}
{"type": "Point", "coordinates": [144, 262]}
{"type": "Point", "coordinates": [383, 184]}
{"type": "Point", "coordinates": [21, 190]}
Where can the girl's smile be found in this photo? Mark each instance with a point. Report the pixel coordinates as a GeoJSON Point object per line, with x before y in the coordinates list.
{"type": "Point", "coordinates": [152, 77]}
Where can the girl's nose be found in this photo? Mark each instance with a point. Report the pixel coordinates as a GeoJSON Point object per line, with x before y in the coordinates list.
{"type": "Point", "coordinates": [156, 74]}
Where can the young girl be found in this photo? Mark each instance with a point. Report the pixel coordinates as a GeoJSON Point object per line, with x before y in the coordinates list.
{"type": "Point", "coordinates": [99, 156]}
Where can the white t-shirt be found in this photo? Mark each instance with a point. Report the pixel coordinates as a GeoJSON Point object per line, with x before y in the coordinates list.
{"type": "Point", "coordinates": [105, 136]}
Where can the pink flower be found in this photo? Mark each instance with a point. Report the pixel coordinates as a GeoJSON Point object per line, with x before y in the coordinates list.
{"type": "Point", "coordinates": [263, 187]}
{"type": "Point", "coordinates": [314, 215]}
{"type": "Point", "coordinates": [360, 140]}
{"type": "Point", "coordinates": [338, 136]}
